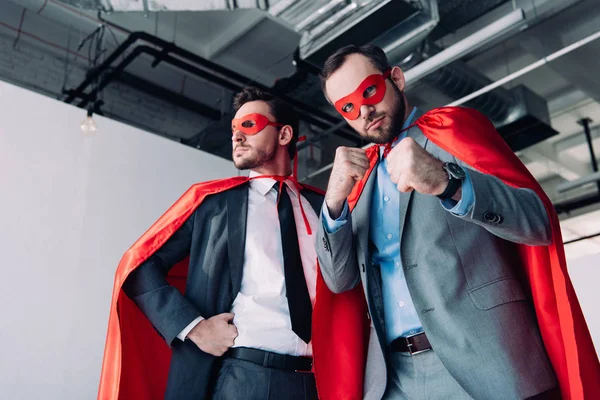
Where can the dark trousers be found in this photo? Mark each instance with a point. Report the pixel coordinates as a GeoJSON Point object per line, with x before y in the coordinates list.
{"type": "Point", "coordinates": [239, 379]}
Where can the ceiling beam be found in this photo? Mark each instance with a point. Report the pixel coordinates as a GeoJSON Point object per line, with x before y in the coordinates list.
{"type": "Point", "coordinates": [546, 38]}
{"type": "Point", "coordinates": [575, 140]}
{"type": "Point", "coordinates": [565, 166]}
{"type": "Point", "coordinates": [246, 21]}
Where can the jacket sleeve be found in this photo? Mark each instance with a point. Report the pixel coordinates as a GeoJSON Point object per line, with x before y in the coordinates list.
{"type": "Point", "coordinates": [337, 254]}
{"type": "Point", "coordinates": [514, 214]}
{"type": "Point", "coordinates": [164, 305]}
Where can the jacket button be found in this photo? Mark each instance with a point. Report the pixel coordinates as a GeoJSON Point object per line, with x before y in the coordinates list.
{"type": "Point", "coordinates": [492, 218]}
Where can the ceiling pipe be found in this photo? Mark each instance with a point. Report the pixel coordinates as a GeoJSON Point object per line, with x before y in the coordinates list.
{"type": "Point", "coordinates": [493, 31]}
{"type": "Point", "coordinates": [529, 68]}
{"type": "Point", "coordinates": [204, 68]}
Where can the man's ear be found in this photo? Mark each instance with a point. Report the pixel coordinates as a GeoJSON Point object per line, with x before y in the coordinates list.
{"type": "Point", "coordinates": [398, 77]}
{"type": "Point", "coordinates": [286, 134]}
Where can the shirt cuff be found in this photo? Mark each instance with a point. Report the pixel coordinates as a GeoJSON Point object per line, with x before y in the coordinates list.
{"type": "Point", "coordinates": [331, 225]}
{"type": "Point", "coordinates": [183, 334]}
{"type": "Point", "coordinates": [467, 199]}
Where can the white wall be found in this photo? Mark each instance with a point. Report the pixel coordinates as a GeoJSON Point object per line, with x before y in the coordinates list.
{"type": "Point", "coordinates": [69, 208]}
{"type": "Point", "coordinates": [585, 275]}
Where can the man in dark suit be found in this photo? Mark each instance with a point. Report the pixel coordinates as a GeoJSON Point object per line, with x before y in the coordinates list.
{"type": "Point", "coordinates": [243, 327]}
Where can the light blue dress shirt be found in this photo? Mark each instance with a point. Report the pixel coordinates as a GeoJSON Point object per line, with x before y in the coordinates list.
{"type": "Point", "coordinates": [401, 317]}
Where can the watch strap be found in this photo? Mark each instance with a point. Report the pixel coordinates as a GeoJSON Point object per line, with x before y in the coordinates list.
{"type": "Point", "coordinates": [453, 185]}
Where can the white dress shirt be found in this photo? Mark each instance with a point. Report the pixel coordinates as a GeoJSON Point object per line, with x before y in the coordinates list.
{"type": "Point", "coordinates": [261, 310]}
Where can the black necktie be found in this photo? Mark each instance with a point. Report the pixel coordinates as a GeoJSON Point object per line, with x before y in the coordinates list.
{"type": "Point", "coordinates": [295, 283]}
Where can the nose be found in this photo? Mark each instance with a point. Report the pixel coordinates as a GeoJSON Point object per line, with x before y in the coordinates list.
{"type": "Point", "coordinates": [366, 110]}
{"type": "Point", "coordinates": [238, 137]}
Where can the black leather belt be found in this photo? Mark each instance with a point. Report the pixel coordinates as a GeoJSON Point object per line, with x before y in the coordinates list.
{"type": "Point", "coordinates": [412, 344]}
{"type": "Point", "coordinates": [271, 360]}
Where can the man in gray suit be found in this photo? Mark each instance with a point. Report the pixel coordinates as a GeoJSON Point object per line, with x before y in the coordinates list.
{"type": "Point", "coordinates": [433, 243]}
{"type": "Point", "coordinates": [242, 330]}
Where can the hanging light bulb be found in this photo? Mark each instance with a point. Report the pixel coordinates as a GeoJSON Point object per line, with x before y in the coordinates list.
{"type": "Point", "coordinates": [88, 125]}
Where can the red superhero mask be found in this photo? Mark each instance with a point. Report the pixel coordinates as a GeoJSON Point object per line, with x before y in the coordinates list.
{"type": "Point", "coordinates": [369, 92]}
{"type": "Point", "coordinates": [251, 124]}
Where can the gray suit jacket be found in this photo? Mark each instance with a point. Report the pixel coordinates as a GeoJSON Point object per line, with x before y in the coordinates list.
{"type": "Point", "coordinates": [214, 237]}
{"type": "Point", "coordinates": [464, 276]}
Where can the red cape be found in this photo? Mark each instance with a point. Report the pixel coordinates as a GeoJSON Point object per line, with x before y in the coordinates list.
{"type": "Point", "coordinates": [136, 359]}
{"type": "Point", "coordinates": [340, 355]}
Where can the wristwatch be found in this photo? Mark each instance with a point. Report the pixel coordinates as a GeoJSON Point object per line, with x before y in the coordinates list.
{"type": "Point", "coordinates": [455, 177]}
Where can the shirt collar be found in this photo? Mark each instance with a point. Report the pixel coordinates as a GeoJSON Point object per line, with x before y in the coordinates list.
{"type": "Point", "coordinates": [264, 185]}
{"type": "Point", "coordinates": [405, 125]}
{"type": "Point", "coordinates": [408, 120]}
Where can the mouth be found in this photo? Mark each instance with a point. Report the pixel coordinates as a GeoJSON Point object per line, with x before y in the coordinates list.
{"type": "Point", "coordinates": [375, 124]}
{"type": "Point", "coordinates": [240, 149]}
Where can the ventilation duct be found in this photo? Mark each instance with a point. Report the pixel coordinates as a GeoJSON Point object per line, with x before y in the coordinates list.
{"type": "Point", "coordinates": [519, 115]}
{"type": "Point", "coordinates": [398, 27]}
{"type": "Point", "coordinates": [167, 5]}
{"type": "Point", "coordinates": [486, 35]}
{"type": "Point", "coordinates": [529, 120]}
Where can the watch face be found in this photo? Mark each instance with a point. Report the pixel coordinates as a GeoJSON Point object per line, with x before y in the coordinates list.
{"type": "Point", "coordinates": [455, 170]}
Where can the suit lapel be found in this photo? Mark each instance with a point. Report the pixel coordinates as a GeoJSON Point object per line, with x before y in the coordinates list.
{"type": "Point", "coordinates": [371, 278]}
{"type": "Point", "coordinates": [237, 211]}
{"type": "Point", "coordinates": [405, 198]}
{"type": "Point", "coordinates": [361, 214]}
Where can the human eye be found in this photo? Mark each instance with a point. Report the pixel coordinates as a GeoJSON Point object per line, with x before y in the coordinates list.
{"type": "Point", "coordinates": [370, 91]}
{"type": "Point", "coordinates": [348, 107]}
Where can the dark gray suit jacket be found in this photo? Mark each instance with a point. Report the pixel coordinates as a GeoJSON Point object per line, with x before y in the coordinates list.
{"type": "Point", "coordinates": [214, 238]}
{"type": "Point", "coordinates": [464, 276]}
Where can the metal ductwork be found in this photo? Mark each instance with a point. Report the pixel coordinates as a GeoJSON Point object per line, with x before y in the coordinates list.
{"type": "Point", "coordinates": [403, 41]}
{"type": "Point", "coordinates": [519, 115]}
{"type": "Point", "coordinates": [457, 80]}
{"type": "Point", "coordinates": [398, 27]}
{"type": "Point", "coordinates": [167, 5]}
{"type": "Point", "coordinates": [528, 122]}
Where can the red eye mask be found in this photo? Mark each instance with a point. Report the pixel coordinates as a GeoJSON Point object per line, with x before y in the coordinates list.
{"type": "Point", "coordinates": [251, 124]}
{"type": "Point", "coordinates": [369, 92]}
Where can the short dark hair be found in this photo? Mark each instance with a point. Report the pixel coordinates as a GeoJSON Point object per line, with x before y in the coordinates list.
{"type": "Point", "coordinates": [375, 54]}
{"type": "Point", "coordinates": [283, 112]}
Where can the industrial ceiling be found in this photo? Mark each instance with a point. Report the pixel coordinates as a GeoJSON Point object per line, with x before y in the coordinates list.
{"type": "Point", "coordinates": [535, 72]}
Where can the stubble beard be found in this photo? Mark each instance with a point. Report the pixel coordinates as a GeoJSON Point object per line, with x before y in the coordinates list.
{"type": "Point", "coordinates": [254, 159]}
{"type": "Point", "coordinates": [383, 135]}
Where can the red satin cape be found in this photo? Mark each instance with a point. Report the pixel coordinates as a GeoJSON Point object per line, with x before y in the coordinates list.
{"type": "Point", "coordinates": [340, 355]}
{"type": "Point", "coordinates": [136, 359]}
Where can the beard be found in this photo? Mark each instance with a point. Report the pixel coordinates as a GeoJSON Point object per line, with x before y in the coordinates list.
{"type": "Point", "coordinates": [383, 134]}
{"type": "Point", "coordinates": [253, 158]}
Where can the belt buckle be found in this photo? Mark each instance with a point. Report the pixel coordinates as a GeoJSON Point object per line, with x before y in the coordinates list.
{"type": "Point", "coordinates": [308, 371]}
{"type": "Point", "coordinates": [409, 345]}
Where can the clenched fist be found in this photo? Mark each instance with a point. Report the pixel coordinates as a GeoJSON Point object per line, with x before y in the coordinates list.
{"type": "Point", "coordinates": [214, 335]}
{"type": "Point", "coordinates": [412, 168]}
{"type": "Point", "coordinates": [349, 167]}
